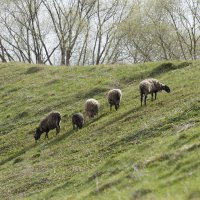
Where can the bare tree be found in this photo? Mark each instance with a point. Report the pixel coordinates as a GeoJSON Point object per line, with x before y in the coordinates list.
{"type": "Point", "coordinates": [24, 33]}
{"type": "Point", "coordinates": [85, 32]}
{"type": "Point", "coordinates": [106, 40]}
{"type": "Point", "coordinates": [69, 19]}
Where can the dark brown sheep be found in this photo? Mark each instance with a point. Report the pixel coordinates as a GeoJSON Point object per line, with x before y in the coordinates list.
{"type": "Point", "coordinates": [50, 122]}
{"type": "Point", "coordinates": [77, 120]}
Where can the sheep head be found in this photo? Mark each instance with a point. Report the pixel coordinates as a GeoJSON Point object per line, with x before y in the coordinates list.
{"type": "Point", "coordinates": [166, 88]}
{"type": "Point", "coordinates": [38, 133]}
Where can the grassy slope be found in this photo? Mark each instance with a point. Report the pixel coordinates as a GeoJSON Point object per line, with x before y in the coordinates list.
{"type": "Point", "coordinates": [135, 153]}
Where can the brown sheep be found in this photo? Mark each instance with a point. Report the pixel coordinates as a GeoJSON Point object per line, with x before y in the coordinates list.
{"type": "Point", "coordinates": [77, 120]}
{"type": "Point", "coordinates": [114, 98]}
{"type": "Point", "coordinates": [92, 107]}
{"type": "Point", "coordinates": [151, 86]}
{"type": "Point", "coordinates": [50, 122]}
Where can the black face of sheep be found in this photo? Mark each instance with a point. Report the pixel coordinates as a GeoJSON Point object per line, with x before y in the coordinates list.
{"type": "Point", "coordinates": [80, 125]}
{"type": "Point", "coordinates": [92, 115]}
{"type": "Point", "coordinates": [116, 106]}
{"type": "Point", "coordinates": [77, 120]}
{"type": "Point", "coordinates": [94, 112]}
{"type": "Point", "coordinates": [167, 89]}
{"type": "Point", "coordinates": [37, 134]}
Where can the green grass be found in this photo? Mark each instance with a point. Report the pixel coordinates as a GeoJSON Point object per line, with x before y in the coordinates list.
{"type": "Point", "coordinates": [150, 152]}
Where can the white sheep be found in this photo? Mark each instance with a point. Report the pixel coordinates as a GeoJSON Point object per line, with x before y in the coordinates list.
{"type": "Point", "coordinates": [92, 107]}
{"type": "Point", "coordinates": [114, 98]}
{"type": "Point", "coordinates": [151, 86]}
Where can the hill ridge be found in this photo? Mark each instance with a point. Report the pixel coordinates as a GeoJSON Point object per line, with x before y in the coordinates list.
{"type": "Point", "coordinates": [133, 153]}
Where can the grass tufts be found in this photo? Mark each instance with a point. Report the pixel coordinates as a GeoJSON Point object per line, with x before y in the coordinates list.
{"type": "Point", "coordinates": [32, 70]}
{"type": "Point", "coordinates": [140, 193]}
{"type": "Point", "coordinates": [132, 153]}
{"type": "Point", "coordinates": [17, 160]}
{"type": "Point", "coordinates": [168, 66]}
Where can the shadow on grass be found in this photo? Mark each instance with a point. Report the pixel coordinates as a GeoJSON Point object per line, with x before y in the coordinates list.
{"type": "Point", "coordinates": [3, 67]}
{"type": "Point", "coordinates": [60, 187]}
{"type": "Point", "coordinates": [172, 158]}
{"type": "Point", "coordinates": [19, 153]}
{"type": "Point", "coordinates": [140, 193]}
{"type": "Point", "coordinates": [104, 187]}
{"type": "Point", "coordinates": [147, 133]}
{"type": "Point", "coordinates": [154, 131]}
{"type": "Point", "coordinates": [52, 82]}
{"type": "Point", "coordinates": [58, 138]}
{"type": "Point", "coordinates": [33, 70]}
{"type": "Point", "coordinates": [95, 176]}
{"type": "Point", "coordinates": [173, 181]}
{"type": "Point", "coordinates": [137, 77]}
{"type": "Point", "coordinates": [118, 118]}
{"type": "Point", "coordinates": [91, 93]}
{"type": "Point", "coordinates": [14, 90]}
{"type": "Point", "coordinates": [21, 115]}
{"type": "Point", "coordinates": [166, 67]}
{"type": "Point", "coordinates": [183, 139]}
{"type": "Point", "coordinates": [180, 168]}
{"type": "Point", "coordinates": [44, 110]}
{"type": "Point", "coordinates": [24, 150]}
{"type": "Point", "coordinates": [17, 160]}
{"type": "Point", "coordinates": [160, 69]}
{"type": "Point", "coordinates": [194, 195]}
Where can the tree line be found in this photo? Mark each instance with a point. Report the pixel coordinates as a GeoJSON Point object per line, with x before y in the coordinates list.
{"type": "Point", "coordinates": [93, 32]}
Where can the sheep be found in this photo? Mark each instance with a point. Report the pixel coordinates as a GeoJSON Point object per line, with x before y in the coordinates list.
{"type": "Point", "coordinates": [77, 120]}
{"type": "Point", "coordinates": [151, 86]}
{"type": "Point", "coordinates": [114, 98]}
{"type": "Point", "coordinates": [50, 122]}
{"type": "Point", "coordinates": [92, 107]}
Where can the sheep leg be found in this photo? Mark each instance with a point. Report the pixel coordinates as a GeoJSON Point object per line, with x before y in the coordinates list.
{"type": "Point", "coordinates": [74, 127]}
{"type": "Point", "coordinates": [110, 107]}
{"type": "Point", "coordinates": [145, 100]}
{"type": "Point", "coordinates": [46, 135]}
{"type": "Point", "coordinates": [57, 127]}
{"type": "Point", "coordinates": [151, 96]}
{"type": "Point", "coordinates": [141, 95]}
{"type": "Point", "coordinates": [155, 95]}
{"type": "Point", "coordinates": [116, 107]}
{"type": "Point", "coordinates": [57, 130]}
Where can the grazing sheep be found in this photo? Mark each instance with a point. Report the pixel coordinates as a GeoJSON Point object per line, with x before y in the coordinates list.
{"type": "Point", "coordinates": [50, 122]}
{"type": "Point", "coordinates": [92, 107]}
{"type": "Point", "coordinates": [151, 86]}
{"type": "Point", "coordinates": [77, 120]}
{"type": "Point", "coordinates": [114, 98]}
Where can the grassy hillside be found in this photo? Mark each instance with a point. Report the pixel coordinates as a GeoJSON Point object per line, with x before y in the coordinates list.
{"type": "Point", "coordinates": [150, 152]}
